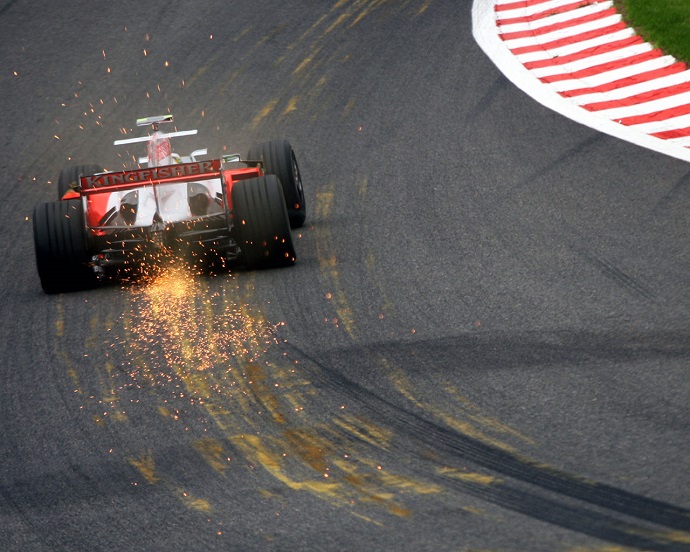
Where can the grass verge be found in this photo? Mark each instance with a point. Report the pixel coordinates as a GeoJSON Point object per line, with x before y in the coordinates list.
{"type": "Point", "coordinates": [663, 23]}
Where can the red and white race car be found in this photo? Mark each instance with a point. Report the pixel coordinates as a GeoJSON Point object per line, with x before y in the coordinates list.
{"type": "Point", "coordinates": [112, 224]}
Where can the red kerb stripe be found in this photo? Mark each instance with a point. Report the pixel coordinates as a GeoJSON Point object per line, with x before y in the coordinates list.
{"type": "Point", "coordinates": [645, 97]}
{"type": "Point", "coordinates": [570, 40]}
{"type": "Point", "coordinates": [541, 15]}
{"type": "Point", "coordinates": [677, 67]}
{"type": "Point", "coordinates": [586, 53]}
{"type": "Point", "coordinates": [604, 67]}
{"type": "Point", "coordinates": [518, 5]}
{"type": "Point", "coordinates": [675, 133]}
{"type": "Point", "coordinates": [656, 117]}
{"type": "Point", "coordinates": [560, 26]}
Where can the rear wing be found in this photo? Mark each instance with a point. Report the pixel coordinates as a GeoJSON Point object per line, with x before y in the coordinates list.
{"type": "Point", "coordinates": [154, 122]}
{"type": "Point", "coordinates": [168, 174]}
{"type": "Point", "coordinates": [148, 138]}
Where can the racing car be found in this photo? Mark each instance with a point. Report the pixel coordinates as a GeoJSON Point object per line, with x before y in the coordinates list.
{"type": "Point", "coordinates": [110, 225]}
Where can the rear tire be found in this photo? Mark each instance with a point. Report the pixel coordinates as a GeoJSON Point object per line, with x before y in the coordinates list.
{"type": "Point", "coordinates": [62, 255]}
{"type": "Point", "coordinates": [69, 177]}
{"type": "Point", "coordinates": [279, 159]}
{"type": "Point", "coordinates": [261, 223]}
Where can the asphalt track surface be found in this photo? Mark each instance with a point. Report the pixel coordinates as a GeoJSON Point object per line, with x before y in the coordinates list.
{"type": "Point", "coordinates": [483, 346]}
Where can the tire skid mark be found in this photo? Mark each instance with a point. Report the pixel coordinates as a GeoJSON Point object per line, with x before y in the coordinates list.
{"type": "Point", "coordinates": [592, 522]}
{"type": "Point", "coordinates": [405, 388]}
{"type": "Point", "coordinates": [617, 275]}
{"type": "Point", "coordinates": [472, 411]}
{"type": "Point", "coordinates": [531, 488]}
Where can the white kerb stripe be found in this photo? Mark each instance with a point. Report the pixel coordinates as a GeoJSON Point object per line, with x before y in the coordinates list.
{"type": "Point", "coordinates": [634, 89]}
{"type": "Point", "coordinates": [557, 18]}
{"type": "Point", "coordinates": [545, 7]}
{"type": "Point", "coordinates": [576, 47]}
{"type": "Point", "coordinates": [645, 108]}
{"type": "Point", "coordinates": [484, 32]}
{"type": "Point", "coordinates": [570, 32]}
{"type": "Point", "coordinates": [662, 126]}
{"type": "Point", "coordinates": [685, 141]}
{"type": "Point", "coordinates": [616, 74]}
{"type": "Point", "coordinates": [593, 61]}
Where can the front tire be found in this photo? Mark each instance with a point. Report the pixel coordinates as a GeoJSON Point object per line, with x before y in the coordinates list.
{"type": "Point", "coordinates": [62, 255]}
{"type": "Point", "coordinates": [261, 223]}
{"type": "Point", "coordinates": [69, 177]}
{"type": "Point", "coordinates": [279, 159]}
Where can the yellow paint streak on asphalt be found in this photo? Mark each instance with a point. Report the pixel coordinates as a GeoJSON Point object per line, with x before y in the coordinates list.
{"type": "Point", "coordinates": [199, 73]}
{"type": "Point", "coordinates": [671, 536]}
{"type": "Point", "coordinates": [311, 450]}
{"type": "Point", "coordinates": [60, 320]}
{"type": "Point", "coordinates": [254, 449]}
{"type": "Point", "coordinates": [349, 107]}
{"type": "Point", "coordinates": [486, 421]}
{"type": "Point", "coordinates": [329, 263]}
{"type": "Point", "coordinates": [404, 387]}
{"type": "Point", "coordinates": [214, 454]}
{"type": "Point", "coordinates": [264, 391]}
{"type": "Point", "coordinates": [329, 268]}
{"type": "Point", "coordinates": [605, 548]}
{"type": "Point", "coordinates": [306, 61]}
{"type": "Point", "coordinates": [368, 9]}
{"type": "Point", "coordinates": [291, 106]}
{"type": "Point", "coordinates": [363, 189]}
{"type": "Point", "coordinates": [474, 510]}
{"type": "Point", "coordinates": [242, 33]}
{"type": "Point", "coordinates": [676, 536]}
{"type": "Point", "coordinates": [406, 484]}
{"type": "Point", "coordinates": [423, 8]}
{"type": "Point", "coordinates": [265, 112]}
{"type": "Point", "coordinates": [469, 477]}
{"type": "Point", "coordinates": [468, 429]}
{"type": "Point", "coordinates": [110, 395]}
{"type": "Point", "coordinates": [271, 35]}
{"type": "Point", "coordinates": [374, 485]}
{"type": "Point", "coordinates": [146, 467]}
{"type": "Point", "coordinates": [339, 21]}
{"type": "Point", "coordinates": [230, 81]}
{"type": "Point", "coordinates": [339, 4]}
{"type": "Point", "coordinates": [365, 431]}
{"type": "Point", "coordinates": [194, 503]}
{"type": "Point", "coordinates": [324, 201]}
{"type": "Point", "coordinates": [311, 29]}
{"type": "Point", "coordinates": [60, 352]}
